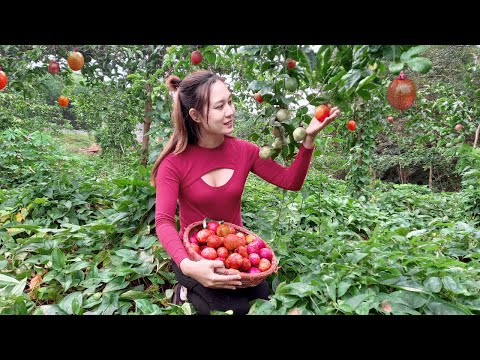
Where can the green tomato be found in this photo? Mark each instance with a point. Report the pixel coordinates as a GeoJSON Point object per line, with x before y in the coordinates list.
{"type": "Point", "coordinates": [283, 115]}
{"type": "Point", "coordinates": [299, 134]}
{"type": "Point", "coordinates": [265, 152]}
{"type": "Point", "coordinates": [291, 84]}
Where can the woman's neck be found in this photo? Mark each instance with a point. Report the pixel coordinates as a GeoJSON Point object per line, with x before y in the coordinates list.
{"type": "Point", "coordinates": [211, 142]}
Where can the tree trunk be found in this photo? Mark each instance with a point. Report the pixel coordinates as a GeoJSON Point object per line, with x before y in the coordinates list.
{"type": "Point", "coordinates": [430, 176]}
{"type": "Point", "coordinates": [476, 137]}
{"type": "Point", "coordinates": [400, 173]}
{"type": "Point", "coordinates": [147, 121]}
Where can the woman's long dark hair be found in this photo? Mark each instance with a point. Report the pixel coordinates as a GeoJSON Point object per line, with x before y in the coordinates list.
{"type": "Point", "coordinates": [191, 92]}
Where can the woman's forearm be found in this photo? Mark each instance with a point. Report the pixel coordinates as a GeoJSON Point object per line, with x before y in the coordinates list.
{"type": "Point", "coordinates": [309, 142]}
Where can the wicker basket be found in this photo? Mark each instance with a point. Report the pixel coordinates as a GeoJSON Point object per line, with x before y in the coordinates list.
{"type": "Point", "coordinates": [248, 280]}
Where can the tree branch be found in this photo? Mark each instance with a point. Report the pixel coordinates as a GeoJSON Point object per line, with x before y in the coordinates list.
{"type": "Point", "coordinates": [476, 136]}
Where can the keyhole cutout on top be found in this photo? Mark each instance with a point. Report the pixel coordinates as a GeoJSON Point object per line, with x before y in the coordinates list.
{"type": "Point", "coordinates": [218, 177]}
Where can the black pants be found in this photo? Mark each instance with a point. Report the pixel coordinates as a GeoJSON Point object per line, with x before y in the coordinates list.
{"type": "Point", "coordinates": [207, 299]}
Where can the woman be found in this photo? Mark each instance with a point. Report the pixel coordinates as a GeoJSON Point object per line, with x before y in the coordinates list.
{"type": "Point", "coordinates": [205, 169]}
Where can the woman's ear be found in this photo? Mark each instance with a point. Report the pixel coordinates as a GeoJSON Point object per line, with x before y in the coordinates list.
{"type": "Point", "coordinates": [194, 115]}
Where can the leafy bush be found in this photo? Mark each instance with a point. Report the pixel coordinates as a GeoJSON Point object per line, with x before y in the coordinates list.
{"type": "Point", "coordinates": [37, 115]}
{"type": "Point", "coordinates": [26, 158]}
{"type": "Point", "coordinates": [470, 166]}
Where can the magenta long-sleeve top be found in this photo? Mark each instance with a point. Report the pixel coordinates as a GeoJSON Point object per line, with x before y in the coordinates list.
{"type": "Point", "coordinates": [179, 178]}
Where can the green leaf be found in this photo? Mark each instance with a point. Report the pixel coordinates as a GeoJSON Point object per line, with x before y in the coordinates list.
{"type": "Point", "coordinates": [316, 100]}
{"type": "Point", "coordinates": [262, 307]}
{"type": "Point", "coordinates": [288, 301]}
{"type": "Point", "coordinates": [52, 310]}
{"type": "Point", "coordinates": [345, 307]}
{"type": "Point", "coordinates": [421, 65]}
{"type": "Point", "coordinates": [134, 294]}
{"type": "Point", "coordinates": [343, 287]}
{"type": "Point", "coordinates": [298, 289]}
{"type": "Point", "coordinates": [410, 299]}
{"type": "Point", "coordinates": [365, 81]}
{"type": "Point", "coordinates": [30, 227]}
{"type": "Point", "coordinates": [19, 307]}
{"type": "Point", "coordinates": [108, 306]}
{"type": "Point", "coordinates": [256, 85]}
{"type": "Point", "coordinates": [93, 300]}
{"type": "Point", "coordinates": [254, 137]}
{"type": "Point", "coordinates": [351, 78]}
{"type": "Point", "coordinates": [58, 259]}
{"type": "Point", "coordinates": [395, 68]}
{"type": "Point", "coordinates": [433, 284]}
{"type": "Point", "coordinates": [77, 266]}
{"type": "Point", "coordinates": [438, 308]}
{"type": "Point", "coordinates": [364, 94]}
{"type": "Point", "coordinates": [50, 276]}
{"type": "Point", "coordinates": [375, 233]}
{"type": "Point", "coordinates": [96, 227]}
{"type": "Point", "coordinates": [356, 257]}
{"type": "Point", "coordinates": [118, 216]}
{"type": "Point", "coordinates": [65, 280]}
{"type": "Point", "coordinates": [416, 233]}
{"type": "Point", "coordinates": [6, 280]}
{"type": "Point", "coordinates": [451, 284]}
{"type": "Point", "coordinates": [363, 308]}
{"type": "Point", "coordinates": [146, 242]}
{"type": "Point", "coordinates": [410, 53]}
{"type": "Point", "coordinates": [116, 284]}
{"type": "Point", "coordinates": [67, 302]}
{"type": "Point", "coordinates": [337, 76]}
{"type": "Point", "coordinates": [391, 52]}
{"type": "Point", "coordinates": [187, 308]}
{"type": "Point", "coordinates": [128, 256]}
{"type": "Point", "coordinates": [286, 100]}
{"type": "Point", "coordinates": [331, 290]}
{"type": "Point", "coordinates": [308, 58]}
{"type": "Point", "coordinates": [411, 285]}
{"type": "Point", "coordinates": [401, 309]}
{"type": "Point", "coordinates": [249, 49]}
{"type": "Point", "coordinates": [210, 57]}
{"type": "Point", "coordinates": [147, 308]}
{"type": "Point", "coordinates": [332, 82]}
{"type": "Point", "coordinates": [356, 300]}
{"type": "Point", "coordinates": [19, 288]}
{"type": "Point", "coordinates": [323, 57]}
